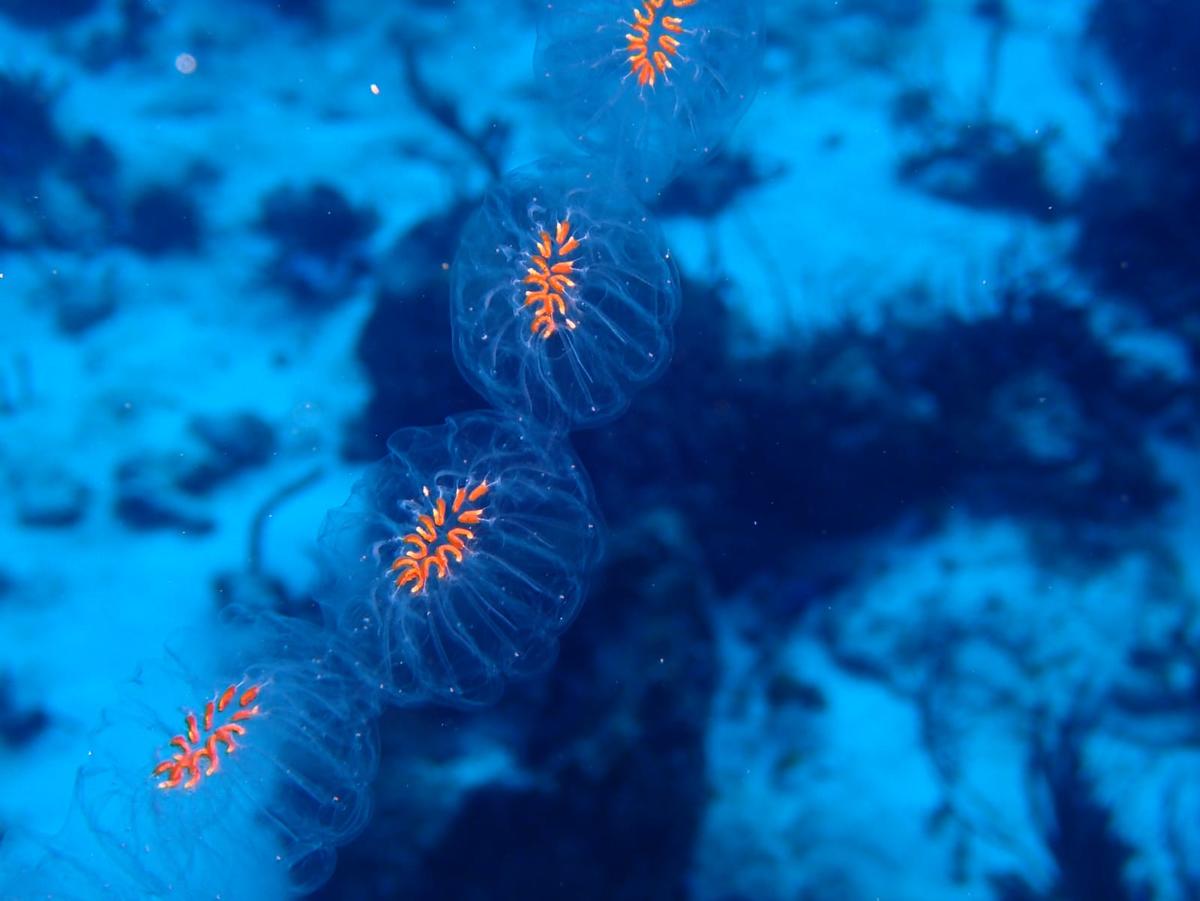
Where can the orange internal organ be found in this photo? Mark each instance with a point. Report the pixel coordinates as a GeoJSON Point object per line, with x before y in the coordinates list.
{"type": "Point", "coordinates": [197, 750]}
{"type": "Point", "coordinates": [550, 276]}
{"type": "Point", "coordinates": [440, 535]}
{"type": "Point", "coordinates": [644, 61]}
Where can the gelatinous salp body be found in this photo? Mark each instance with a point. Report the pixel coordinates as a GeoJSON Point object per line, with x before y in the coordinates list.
{"type": "Point", "coordinates": [650, 86]}
{"type": "Point", "coordinates": [563, 296]}
{"type": "Point", "coordinates": [227, 779]}
{"type": "Point", "coordinates": [462, 556]}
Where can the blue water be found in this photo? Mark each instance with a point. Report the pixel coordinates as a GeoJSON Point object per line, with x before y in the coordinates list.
{"type": "Point", "coordinates": [837, 503]}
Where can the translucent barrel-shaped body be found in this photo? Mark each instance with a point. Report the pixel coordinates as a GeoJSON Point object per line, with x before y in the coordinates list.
{"type": "Point", "coordinates": [217, 778]}
{"type": "Point", "coordinates": [461, 557]}
{"type": "Point", "coordinates": [650, 86]}
{"type": "Point", "coordinates": [563, 296]}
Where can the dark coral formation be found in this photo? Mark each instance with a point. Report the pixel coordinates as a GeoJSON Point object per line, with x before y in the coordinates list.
{"type": "Point", "coordinates": [711, 191]}
{"type": "Point", "coordinates": [1138, 213]}
{"type": "Point", "coordinates": [147, 498]}
{"type": "Point", "coordinates": [404, 346]}
{"type": "Point", "coordinates": [83, 302]}
{"type": "Point", "coordinates": [49, 497]}
{"type": "Point", "coordinates": [319, 242]}
{"type": "Point", "coordinates": [1091, 858]}
{"type": "Point", "coordinates": [47, 15]}
{"type": "Point", "coordinates": [306, 10]}
{"type": "Point", "coordinates": [231, 443]}
{"type": "Point", "coordinates": [1022, 410]}
{"type": "Point", "coordinates": [30, 141]}
{"type": "Point", "coordinates": [130, 40]}
{"type": "Point", "coordinates": [161, 490]}
{"type": "Point", "coordinates": [19, 725]}
{"type": "Point", "coordinates": [45, 170]}
{"type": "Point", "coordinates": [984, 165]}
{"type": "Point", "coordinates": [163, 219]}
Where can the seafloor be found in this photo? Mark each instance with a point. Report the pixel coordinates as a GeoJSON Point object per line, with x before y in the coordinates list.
{"type": "Point", "coordinates": [901, 597]}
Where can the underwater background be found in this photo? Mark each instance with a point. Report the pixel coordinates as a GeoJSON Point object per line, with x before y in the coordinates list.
{"type": "Point", "coordinates": [900, 595]}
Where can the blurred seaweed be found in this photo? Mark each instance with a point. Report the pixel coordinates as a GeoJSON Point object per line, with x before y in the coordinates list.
{"type": "Point", "coordinates": [487, 144]}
